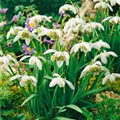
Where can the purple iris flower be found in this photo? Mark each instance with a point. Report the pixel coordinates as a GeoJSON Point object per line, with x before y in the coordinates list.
{"type": "Point", "coordinates": [30, 26]}
{"type": "Point", "coordinates": [28, 50]}
{"type": "Point", "coordinates": [48, 41]}
{"type": "Point", "coordinates": [4, 10]}
{"type": "Point", "coordinates": [15, 18]}
{"type": "Point", "coordinates": [56, 24]}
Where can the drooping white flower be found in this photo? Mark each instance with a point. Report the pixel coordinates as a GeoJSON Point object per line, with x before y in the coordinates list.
{"type": "Point", "coordinates": [60, 81]}
{"type": "Point", "coordinates": [95, 68]}
{"type": "Point", "coordinates": [103, 5]}
{"type": "Point", "coordinates": [52, 33]}
{"type": "Point", "coordinates": [113, 20]}
{"type": "Point", "coordinates": [39, 18]}
{"type": "Point", "coordinates": [104, 55]}
{"type": "Point", "coordinates": [83, 46]}
{"type": "Point", "coordinates": [91, 26]}
{"type": "Point", "coordinates": [73, 25]}
{"type": "Point", "coordinates": [25, 79]}
{"type": "Point", "coordinates": [99, 44]}
{"type": "Point", "coordinates": [26, 35]}
{"type": "Point", "coordinates": [14, 31]}
{"type": "Point", "coordinates": [67, 7]}
{"type": "Point", "coordinates": [34, 60]}
{"type": "Point", "coordinates": [8, 60]}
{"type": "Point", "coordinates": [114, 2]}
{"type": "Point", "coordinates": [59, 57]}
{"type": "Point", "coordinates": [110, 77]}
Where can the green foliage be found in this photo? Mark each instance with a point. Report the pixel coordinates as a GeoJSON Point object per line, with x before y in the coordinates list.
{"type": "Point", "coordinates": [108, 109]}
{"type": "Point", "coordinates": [58, 102]}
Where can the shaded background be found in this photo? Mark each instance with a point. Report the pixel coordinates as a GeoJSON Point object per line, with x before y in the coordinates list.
{"type": "Point", "coordinates": [43, 6]}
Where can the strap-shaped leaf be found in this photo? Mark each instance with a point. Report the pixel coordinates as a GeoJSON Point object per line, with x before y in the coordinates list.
{"type": "Point", "coordinates": [29, 98]}
{"type": "Point", "coordinates": [62, 118]}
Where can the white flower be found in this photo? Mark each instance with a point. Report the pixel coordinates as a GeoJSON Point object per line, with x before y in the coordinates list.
{"type": "Point", "coordinates": [103, 56]}
{"type": "Point", "coordinates": [67, 7]}
{"type": "Point", "coordinates": [8, 60]}
{"type": "Point", "coordinates": [97, 0]}
{"type": "Point", "coordinates": [26, 35]}
{"type": "Point", "coordinates": [39, 18]}
{"type": "Point", "coordinates": [95, 67]}
{"type": "Point", "coordinates": [34, 61]}
{"type": "Point", "coordinates": [103, 5]}
{"type": "Point", "coordinates": [91, 26]}
{"type": "Point", "coordinates": [83, 46]}
{"type": "Point", "coordinates": [14, 31]}
{"type": "Point", "coordinates": [24, 79]}
{"type": "Point", "coordinates": [110, 77]}
{"type": "Point", "coordinates": [113, 20]}
{"type": "Point", "coordinates": [60, 81]}
{"type": "Point", "coordinates": [59, 57]}
{"type": "Point", "coordinates": [114, 2]}
{"type": "Point", "coordinates": [73, 25]}
{"type": "Point", "coordinates": [52, 33]}
{"type": "Point", "coordinates": [99, 44]}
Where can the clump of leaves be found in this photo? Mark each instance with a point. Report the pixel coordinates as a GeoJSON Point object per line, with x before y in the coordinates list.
{"type": "Point", "coordinates": [107, 109]}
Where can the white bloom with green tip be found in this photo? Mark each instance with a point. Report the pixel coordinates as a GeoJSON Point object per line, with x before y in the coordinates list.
{"type": "Point", "coordinates": [91, 26]}
{"type": "Point", "coordinates": [14, 31]}
{"type": "Point", "coordinates": [67, 7]}
{"type": "Point", "coordinates": [110, 77]}
{"type": "Point", "coordinates": [59, 57]}
{"type": "Point", "coordinates": [104, 55]}
{"type": "Point", "coordinates": [34, 60]}
{"type": "Point", "coordinates": [73, 25]}
{"type": "Point", "coordinates": [60, 81]}
{"type": "Point", "coordinates": [95, 68]}
{"type": "Point", "coordinates": [103, 5]}
{"type": "Point", "coordinates": [83, 46]}
{"type": "Point", "coordinates": [24, 79]}
{"type": "Point", "coordinates": [8, 60]}
{"type": "Point", "coordinates": [26, 35]}
{"type": "Point", "coordinates": [99, 44]}
{"type": "Point", "coordinates": [39, 18]}
{"type": "Point", "coordinates": [113, 20]}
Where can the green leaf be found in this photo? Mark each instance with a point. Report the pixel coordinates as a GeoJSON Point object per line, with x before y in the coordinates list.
{"type": "Point", "coordinates": [29, 98]}
{"type": "Point", "coordinates": [63, 118]}
{"type": "Point", "coordinates": [75, 107]}
{"type": "Point", "coordinates": [20, 117]}
{"type": "Point", "coordinates": [1, 118]}
{"type": "Point", "coordinates": [93, 91]}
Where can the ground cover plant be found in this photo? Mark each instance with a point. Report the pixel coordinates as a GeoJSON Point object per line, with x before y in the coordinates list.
{"type": "Point", "coordinates": [62, 63]}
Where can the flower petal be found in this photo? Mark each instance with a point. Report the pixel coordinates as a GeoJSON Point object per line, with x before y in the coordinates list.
{"type": "Point", "coordinates": [70, 84]}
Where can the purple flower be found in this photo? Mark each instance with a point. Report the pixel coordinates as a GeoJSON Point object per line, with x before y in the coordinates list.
{"type": "Point", "coordinates": [51, 42]}
{"type": "Point", "coordinates": [28, 50]}
{"type": "Point", "coordinates": [31, 26]}
{"type": "Point", "coordinates": [2, 24]}
{"type": "Point", "coordinates": [56, 24]}
{"type": "Point", "coordinates": [15, 18]}
{"type": "Point", "coordinates": [4, 10]}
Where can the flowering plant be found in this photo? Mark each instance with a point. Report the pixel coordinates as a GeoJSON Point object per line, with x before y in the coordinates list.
{"type": "Point", "coordinates": [64, 65]}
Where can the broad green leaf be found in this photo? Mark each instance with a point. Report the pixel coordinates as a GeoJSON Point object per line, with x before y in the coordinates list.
{"type": "Point", "coordinates": [75, 107]}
